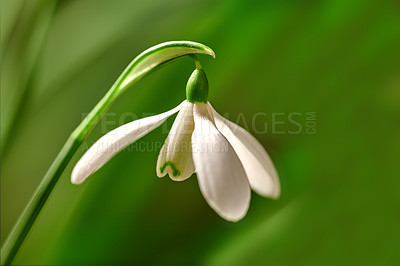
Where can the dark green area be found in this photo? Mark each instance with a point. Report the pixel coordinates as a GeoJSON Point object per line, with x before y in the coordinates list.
{"type": "Point", "coordinates": [282, 69]}
{"type": "Point", "coordinates": [197, 87]}
{"type": "Point", "coordinates": [175, 171]}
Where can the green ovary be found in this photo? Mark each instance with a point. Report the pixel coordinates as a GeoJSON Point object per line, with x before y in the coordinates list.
{"type": "Point", "coordinates": [175, 170]}
{"type": "Point", "coordinates": [197, 87]}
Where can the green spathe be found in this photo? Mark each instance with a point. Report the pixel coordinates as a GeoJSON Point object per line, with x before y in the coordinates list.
{"type": "Point", "coordinates": [197, 87]}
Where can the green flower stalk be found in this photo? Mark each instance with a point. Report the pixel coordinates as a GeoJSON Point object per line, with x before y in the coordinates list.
{"type": "Point", "coordinates": [144, 64]}
{"type": "Point", "coordinates": [197, 87]}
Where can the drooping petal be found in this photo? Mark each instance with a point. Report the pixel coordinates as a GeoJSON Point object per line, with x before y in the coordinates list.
{"type": "Point", "coordinates": [260, 170]}
{"type": "Point", "coordinates": [113, 142]}
{"type": "Point", "coordinates": [221, 176]}
{"type": "Point", "coordinates": [175, 157]}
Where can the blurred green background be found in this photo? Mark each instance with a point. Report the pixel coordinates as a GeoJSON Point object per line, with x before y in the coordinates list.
{"type": "Point", "coordinates": [340, 186]}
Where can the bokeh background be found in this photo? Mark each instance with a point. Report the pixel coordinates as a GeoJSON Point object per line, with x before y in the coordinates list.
{"type": "Point", "coordinates": [340, 186]}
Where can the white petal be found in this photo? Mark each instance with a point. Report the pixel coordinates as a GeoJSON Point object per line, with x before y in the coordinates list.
{"type": "Point", "coordinates": [175, 157]}
{"type": "Point", "coordinates": [257, 163]}
{"type": "Point", "coordinates": [113, 142]}
{"type": "Point", "coordinates": [220, 174]}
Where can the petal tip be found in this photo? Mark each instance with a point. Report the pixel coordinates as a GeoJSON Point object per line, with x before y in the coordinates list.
{"type": "Point", "coordinates": [235, 214]}
{"type": "Point", "coordinates": [160, 175]}
{"type": "Point", "coordinates": [76, 177]}
{"type": "Point", "coordinates": [76, 181]}
{"type": "Point", "coordinates": [274, 194]}
{"type": "Point", "coordinates": [234, 219]}
{"type": "Point", "coordinates": [277, 192]}
{"type": "Point", "coordinates": [179, 178]}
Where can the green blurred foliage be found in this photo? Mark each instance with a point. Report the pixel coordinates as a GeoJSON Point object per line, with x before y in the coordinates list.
{"type": "Point", "coordinates": [340, 186]}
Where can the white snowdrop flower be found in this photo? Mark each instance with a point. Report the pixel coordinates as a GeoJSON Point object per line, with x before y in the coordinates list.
{"type": "Point", "coordinates": [227, 160]}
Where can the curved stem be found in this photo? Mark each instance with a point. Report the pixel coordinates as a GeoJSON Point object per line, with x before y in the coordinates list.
{"type": "Point", "coordinates": [196, 61]}
{"type": "Point", "coordinates": [37, 202]}
{"type": "Point", "coordinates": [31, 212]}
{"type": "Point", "coordinates": [142, 65]}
